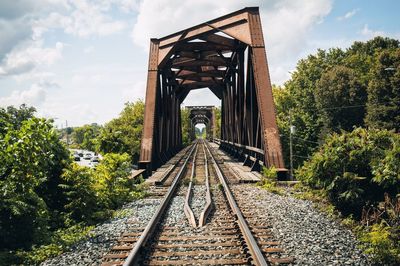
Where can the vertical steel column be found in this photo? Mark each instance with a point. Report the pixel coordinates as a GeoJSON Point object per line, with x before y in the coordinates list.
{"type": "Point", "coordinates": [214, 125]}
{"type": "Point", "coordinates": [146, 150]}
{"type": "Point", "coordinates": [269, 129]}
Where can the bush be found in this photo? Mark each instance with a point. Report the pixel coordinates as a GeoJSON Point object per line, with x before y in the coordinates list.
{"type": "Point", "coordinates": [78, 187]}
{"type": "Point", "coordinates": [61, 240]}
{"type": "Point", "coordinates": [268, 180]}
{"type": "Point", "coordinates": [31, 157]}
{"type": "Point", "coordinates": [113, 184]}
{"type": "Point", "coordinates": [380, 242]}
{"type": "Point", "coordinates": [355, 168]}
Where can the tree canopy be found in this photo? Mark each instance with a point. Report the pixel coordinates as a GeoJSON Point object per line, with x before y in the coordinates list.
{"type": "Point", "coordinates": [123, 134]}
{"type": "Point", "coordinates": [338, 90]}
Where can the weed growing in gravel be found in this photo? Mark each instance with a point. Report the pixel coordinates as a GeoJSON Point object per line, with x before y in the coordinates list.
{"type": "Point", "coordinates": [379, 237]}
{"type": "Point", "coordinates": [60, 241]}
{"type": "Point", "coordinates": [318, 197]}
{"type": "Point", "coordinates": [379, 241]}
{"type": "Point", "coordinates": [122, 213]}
{"type": "Point", "coordinates": [269, 181]}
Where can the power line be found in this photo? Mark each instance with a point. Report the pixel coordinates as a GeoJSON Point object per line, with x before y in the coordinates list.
{"type": "Point", "coordinates": [314, 142]}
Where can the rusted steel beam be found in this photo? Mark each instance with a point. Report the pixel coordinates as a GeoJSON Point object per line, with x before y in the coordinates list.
{"type": "Point", "coordinates": [197, 63]}
{"type": "Point", "coordinates": [200, 46]}
{"type": "Point", "coordinates": [146, 150]}
{"type": "Point", "coordinates": [215, 73]}
{"type": "Point", "coordinates": [221, 40]}
{"type": "Point", "coordinates": [270, 134]}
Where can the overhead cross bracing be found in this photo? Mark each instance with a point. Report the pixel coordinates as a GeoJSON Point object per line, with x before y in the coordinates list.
{"type": "Point", "coordinates": [226, 55]}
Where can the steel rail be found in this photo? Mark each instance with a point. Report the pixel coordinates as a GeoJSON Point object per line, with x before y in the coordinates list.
{"type": "Point", "coordinates": [188, 211]}
{"type": "Point", "coordinates": [207, 208]}
{"type": "Point", "coordinates": [165, 176]}
{"type": "Point", "coordinates": [133, 256]}
{"type": "Point", "coordinates": [255, 251]}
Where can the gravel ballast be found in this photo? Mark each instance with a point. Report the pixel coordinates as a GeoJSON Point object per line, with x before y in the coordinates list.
{"type": "Point", "coordinates": [303, 232]}
{"type": "Point", "coordinates": [105, 235]}
{"type": "Point", "coordinates": [198, 200]}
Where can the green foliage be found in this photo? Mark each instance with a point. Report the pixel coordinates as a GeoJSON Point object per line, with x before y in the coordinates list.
{"type": "Point", "coordinates": [381, 242]}
{"type": "Point", "coordinates": [185, 126]}
{"type": "Point", "coordinates": [201, 133]}
{"type": "Point", "coordinates": [61, 240]}
{"type": "Point", "coordinates": [217, 114]}
{"type": "Point", "coordinates": [328, 91]}
{"type": "Point", "coordinates": [123, 134]}
{"type": "Point", "coordinates": [47, 201]}
{"type": "Point", "coordinates": [85, 137]}
{"type": "Point", "coordinates": [351, 167]}
{"type": "Point", "coordinates": [269, 180]}
{"type": "Point", "coordinates": [32, 159]}
{"type": "Point", "coordinates": [13, 117]}
{"type": "Point", "coordinates": [383, 109]}
{"type": "Point", "coordinates": [112, 180]}
{"type": "Point", "coordinates": [340, 86]}
{"type": "Point", "coordinates": [78, 187]}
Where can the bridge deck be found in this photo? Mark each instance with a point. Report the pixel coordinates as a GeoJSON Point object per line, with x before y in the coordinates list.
{"type": "Point", "coordinates": [241, 173]}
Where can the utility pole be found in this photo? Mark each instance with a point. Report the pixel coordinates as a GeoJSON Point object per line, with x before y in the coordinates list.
{"type": "Point", "coordinates": [292, 131]}
{"type": "Point", "coordinates": [66, 130]}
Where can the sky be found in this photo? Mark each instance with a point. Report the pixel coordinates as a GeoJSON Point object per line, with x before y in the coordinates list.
{"type": "Point", "coordinates": [81, 60]}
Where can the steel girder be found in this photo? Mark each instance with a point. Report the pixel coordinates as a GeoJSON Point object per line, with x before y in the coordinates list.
{"type": "Point", "coordinates": [226, 55]}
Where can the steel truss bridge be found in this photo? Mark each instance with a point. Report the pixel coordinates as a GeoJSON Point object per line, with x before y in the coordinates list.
{"type": "Point", "coordinates": [226, 55]}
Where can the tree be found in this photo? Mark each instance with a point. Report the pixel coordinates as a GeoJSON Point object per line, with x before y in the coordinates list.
{"type": "Point", "coordinates": [186, 126]}
{"type": "Point", "coordinates": [123, 134]}
{"type": "Point", "coordinates": [31, 157]}
{"type": "Point", "coordinates": [86, 136]}
{"type": "Point", "coordinates": [217, 113]}
{"type": "Point", "coordinates": [13, 117]}
{"type": "Point", "coordinates": [341, 98]}
{"type": "Point", "coordinates": [323, 84]}
{"type": "Point", "coordinates": [383, 110]}
{"type": "Point", "coordinates": [301, 105]}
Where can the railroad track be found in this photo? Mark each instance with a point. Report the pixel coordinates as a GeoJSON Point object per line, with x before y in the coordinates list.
{"type": "Point", "coordinates": [198, 222]}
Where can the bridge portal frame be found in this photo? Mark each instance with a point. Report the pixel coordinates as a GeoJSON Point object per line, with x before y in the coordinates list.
{"type": "Point", "coordinates": [226, 55]}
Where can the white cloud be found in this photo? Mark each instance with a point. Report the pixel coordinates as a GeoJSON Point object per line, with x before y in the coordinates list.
{"type": "Point", "coordinates": [84, 18]}
{"type": "Point", "coordinates": [24, 23]}
{"type": "Point", "coordinates": [89, 50]}
{"type": "Point", "coordinates": [26, 57]}
{"type": "Point", "coordinates": [35, 96]}
{"type": "Point", "coordinates": [348, 14]}
{"type": "Point", "coordinates": [366, 31]}
{"type": "Point", "coordinates": [285, 24]}
{"type": "Point", "coordinates": [93, 93]}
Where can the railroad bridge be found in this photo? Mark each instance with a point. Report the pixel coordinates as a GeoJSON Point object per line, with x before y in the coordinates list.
{"type": "Point", "coordinates": [202, 115]}
{"type": "Point", "coordinates": [226, 55]}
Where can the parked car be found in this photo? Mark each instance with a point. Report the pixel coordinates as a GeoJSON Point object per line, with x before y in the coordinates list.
{"type": "Point", "coordinates": [87, 156]}
{"type": "Point", "coordinates": [95, 159]}
{"type": "Point", "coordinates": [77, 157]}
{"type": "Point", "coordinates": [80, 154]}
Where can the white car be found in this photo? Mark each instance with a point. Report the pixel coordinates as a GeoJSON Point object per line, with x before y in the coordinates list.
{"type": "Point", "coordinates": [87, 156]}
